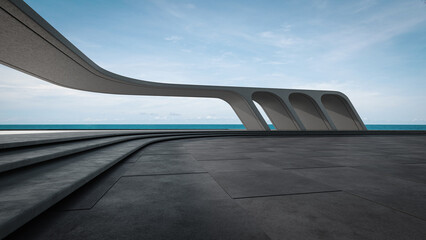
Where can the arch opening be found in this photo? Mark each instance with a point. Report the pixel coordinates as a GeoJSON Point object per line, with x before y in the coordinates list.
{"type": "Point", "coordinates": [340, 112]}
{"type": "Point", "coordinates": [264, 115]}
{"type": "Point", "coordinates": [276, 111]}
{"type": "Point", "coordinates": [308, 112]}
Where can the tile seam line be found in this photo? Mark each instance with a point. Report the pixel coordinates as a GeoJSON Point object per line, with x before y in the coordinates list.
{"type": "Point", "coordinates": [96, 202]}
{"type": "Point", "coordinates": [112, 185]}
{"type": "Point", "coordinates": [162, 174]}
{"type": "Point", "coordinates": [386, 206]}
{"type": "Point", "coordinates": [301, 168]}
{"type": "Point", "coordinates": [223, 189]}
{"type": "Point", "coordinates": [289, 194]}
{"type": "Point", "coordinates": [118, 179]}
{"type": "Point", "coordinates": [171, 154]}
{"type": "Point", "coordinates": [213, 160]}
{"type": "Point", "coordinates": [90, 208]}
{"type": "Point", "coordinates": [413, 163]}
{"type": "Point", "coordinates": [99, 199]}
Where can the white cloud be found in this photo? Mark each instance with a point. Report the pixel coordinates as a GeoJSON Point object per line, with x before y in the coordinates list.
{"type": "Point", "coordinates": [378, 28]}
{"type": "Point", "coordinates": [376, 104]}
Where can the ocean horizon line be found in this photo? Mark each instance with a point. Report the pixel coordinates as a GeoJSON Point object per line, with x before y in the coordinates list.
{"type": "Point", "coordinates": [166, 126]}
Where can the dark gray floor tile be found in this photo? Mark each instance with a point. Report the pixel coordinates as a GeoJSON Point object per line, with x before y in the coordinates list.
{"type": "Point", "coordinates": [236, 165]}
{"type": "Point", "coordinates": [163, 149]}
{"type": "Point", "coordinates": [166, 189]}
{"type": "Point", "coordinates": [165, 157]}
{"type": "Point", "coordinates": [87, 196]}
{"type": "Point", "coordinates": [288, 154]}
{"type": "Point", "coordinates": [214, 155]}
{"type": "Point", "coordinates": [165, 164]}
{"type": "Point", "coordinates": [331, 216]}
{"type": "Point", "coordinates": [305, 162]}
{"type": "Point", "coordinates": [376, 202]}
{"type": "Point", "coordinates": [207, 219]}
{"type": "Point", "coordinates": [211, 150]}
{"type": "Point", "coordinates": [268, 155]}
{"type": "Point", "coordinates": [368, 160]}
{"type": "Point", "coordinates": [411, 172]}
{"type": "Point", "coordinates": [188, 206]}
{"type": "Point", "coordinates": [413, 157]}
{"type": "Point", "coordinates": [266, 183]}
{"type": "Point", "coordinates": [399, 194]}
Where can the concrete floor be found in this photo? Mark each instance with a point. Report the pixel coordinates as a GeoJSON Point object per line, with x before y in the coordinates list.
{"type": "Point", "coordinates": [298, 187]}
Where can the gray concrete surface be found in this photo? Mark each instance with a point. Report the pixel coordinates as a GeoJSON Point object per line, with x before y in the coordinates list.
{"type": "Point", "coordinates": [336, 215]}
{"type": "Point", "coordinates": [14, 139]}
{"type": "Point", "coordinates": [16, 158]}
{"type": "Point", "coordinates": [291, 187]}
{"type": "Point", "coordinates": [27, 191]}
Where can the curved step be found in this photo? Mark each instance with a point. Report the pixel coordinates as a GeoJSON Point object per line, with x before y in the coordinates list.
{"type": "Point", "coordinates": [11, 141]}
{"type": "Point", "coordinates": [36, 139]}
{"type": "Point", "coordinates": [17, 158]}
{"type": "Point", "coordinates": [26, 192]}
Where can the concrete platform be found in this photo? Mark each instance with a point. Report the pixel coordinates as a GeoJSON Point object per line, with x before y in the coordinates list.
{"type": "Point", "coordinates": [251, 187]}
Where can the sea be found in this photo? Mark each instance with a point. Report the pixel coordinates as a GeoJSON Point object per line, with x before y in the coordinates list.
{"type": "Point", "coordinates": [174, 126]}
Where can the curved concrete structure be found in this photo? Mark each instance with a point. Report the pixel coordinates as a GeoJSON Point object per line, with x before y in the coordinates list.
{"type": "Point", "coordinates": [308, 111]}
{"type": "Point", "coordinates": [31, 45]}
{"type": "Point", "coordinates": [276, 110]}
{"type": "Point", "coordinates": [340, 112]}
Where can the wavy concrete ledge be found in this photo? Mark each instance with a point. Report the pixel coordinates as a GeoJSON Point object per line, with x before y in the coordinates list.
{"type": "Point", "coordinates": [32, 45]}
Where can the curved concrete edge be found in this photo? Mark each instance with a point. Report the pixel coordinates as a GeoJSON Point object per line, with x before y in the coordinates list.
{"type": "Point", "coordinates": [43, 139]}
{"type": "Point", "coordinates": [31, 45]}
{"type": "Point", "coordinates": [35, 204]}
{"type": "Point", "coordinates": [277, 111]}
{"type": "Point", "coordinates": [17, 159]}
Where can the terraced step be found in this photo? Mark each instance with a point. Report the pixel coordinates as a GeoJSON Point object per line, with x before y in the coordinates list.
{"type": "Point", "coordinates": [13, 159]}
{"type": "Point", "coordinates": [8, 141]}
{"type": "Point", "coordinates": [16, 158]}
{"type": "Point", "coordinates": [25, 140]}
{"type": "Point", "coordinates": [26, 192]}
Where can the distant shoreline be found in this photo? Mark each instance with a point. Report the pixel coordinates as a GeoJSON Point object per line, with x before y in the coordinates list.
{"type": "Point", "coordinates": [174, 127]}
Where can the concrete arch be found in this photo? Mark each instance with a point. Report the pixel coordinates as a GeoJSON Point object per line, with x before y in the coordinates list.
{"type": "Point", "coordinates": [31, 45]}
{"type": "Point", "coordinates": [308, 111]}
{"type": "Point", "coordinates": [340, 112]}
{"type": "Point", "coordinates": [276, 110]}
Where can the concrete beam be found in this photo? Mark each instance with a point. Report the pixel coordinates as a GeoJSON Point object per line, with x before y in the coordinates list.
{"type": "Point", "coordinates": [31, 45]}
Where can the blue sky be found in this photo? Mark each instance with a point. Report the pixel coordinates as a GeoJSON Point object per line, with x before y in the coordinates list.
{"type": "Point", "coordinates": [373, 51]}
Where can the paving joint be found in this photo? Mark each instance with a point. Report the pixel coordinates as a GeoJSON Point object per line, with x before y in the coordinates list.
{"type": "Point", "coordinates": [297, 168]}
{"type": "Point", "coordinates": [162, 174]}
{"type": "Point", "coordinates": [224, 190]}
{"type": "Point", "coordinates": [383, 205]}
{"type": "Point", "coordinates": [287, 194]}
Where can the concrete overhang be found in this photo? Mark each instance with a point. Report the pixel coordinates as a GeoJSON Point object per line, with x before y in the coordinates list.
{"type": "Point", "coordinates": [31, 45]}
